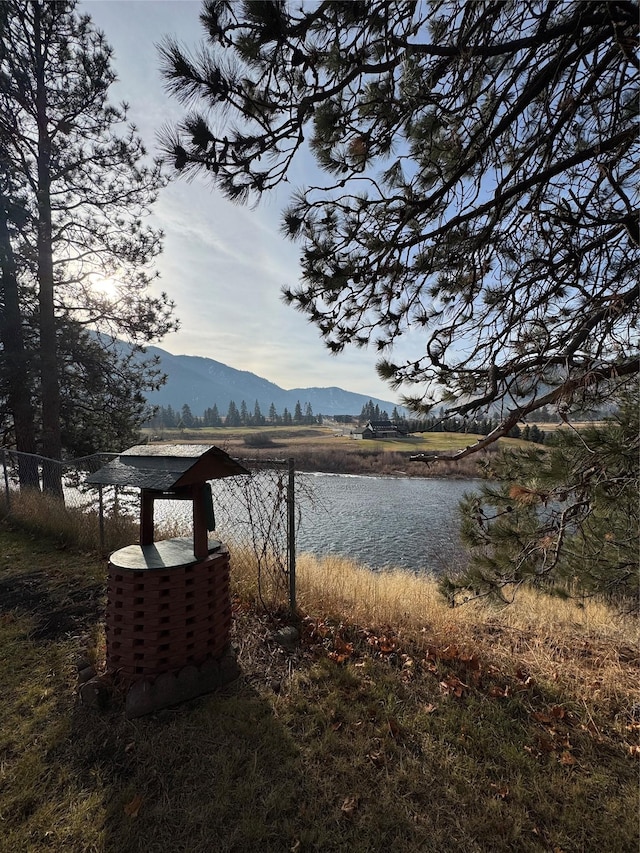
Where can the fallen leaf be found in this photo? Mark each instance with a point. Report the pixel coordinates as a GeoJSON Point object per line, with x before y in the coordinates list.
{"type": "Point", "coordinates": [449, 653]}
{"type": "Point", "coordinates": [430, 708]}
{"type": "Point", "coordinates": [453, 686]}
{"type": "Point", "coordinates": [634, 751]}
{"type": "Point", "coordinates": [470, 661]}
{"type": "Point", "coordinates": [349, 805]}
{"type": "Point", "coordinates": [343, 651]}
{"type": "Point", "coordinates": [499, 692]}
{"type": "Point", "coordinates": [393, 726]}
{"type": "Point", "coordinates": [541, 717]}
{"type": "Point", "coordinates": [546, 744]}
{"type": "Point", "coordinates": [567, 759]}
{"type": "Point", "coordinates": [502, 792]}
{"type": "Point", "coordinates": [386, 646]}
{"type": "Point", "coordinates": [132, 809]}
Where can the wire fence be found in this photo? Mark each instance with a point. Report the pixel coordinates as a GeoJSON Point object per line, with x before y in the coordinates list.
{"type": "Point", "coordinates": [255, 515]}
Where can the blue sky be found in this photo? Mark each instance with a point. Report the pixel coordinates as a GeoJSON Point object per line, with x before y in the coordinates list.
{"type": "Point", "coordinates": [223, 264]}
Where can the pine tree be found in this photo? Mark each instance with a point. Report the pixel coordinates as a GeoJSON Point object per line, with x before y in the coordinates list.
{"type": "Point", "coordinates": [564, 518]}
{"type": "Point", "coordinates": [187, 416]}
{"type": "Point", "coordinates": [233, 416]}
{"type": "Point", "coordinates": [297, 413]}
{"type": "Point", "coordinates": [170, 419]}
{"type": "Point", "coordinates": [477, 182]}
{"type": "Point", "coordinates": [72, 200]}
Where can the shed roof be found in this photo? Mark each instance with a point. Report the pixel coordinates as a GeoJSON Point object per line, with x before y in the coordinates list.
{"type": "Point", "coordinates": [166, 466]}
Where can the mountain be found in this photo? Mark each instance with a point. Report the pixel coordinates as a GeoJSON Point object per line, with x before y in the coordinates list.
{"type": "Point", "coordinates": [202, 382]}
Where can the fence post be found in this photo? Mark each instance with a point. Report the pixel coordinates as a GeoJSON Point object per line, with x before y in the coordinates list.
{"type": "Point", "coordinates": [291, 536]}
{"type": "Point", "coordinates": [101, 518]}
{"type": "Point", "coordinates": [6, 478]}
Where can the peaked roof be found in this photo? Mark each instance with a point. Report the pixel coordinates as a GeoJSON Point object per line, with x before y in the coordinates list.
{"type": "Point", "coordinates": [167, 466]}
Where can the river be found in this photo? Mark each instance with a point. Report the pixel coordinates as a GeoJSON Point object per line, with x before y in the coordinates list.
{"type": "Point", "coordinates": [380, 522]}
{"type": "Point", "coordinates": [411, 523]}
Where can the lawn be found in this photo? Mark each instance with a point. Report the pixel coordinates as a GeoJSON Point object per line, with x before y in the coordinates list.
{"type": "Point", "coordinates": [394, 724]}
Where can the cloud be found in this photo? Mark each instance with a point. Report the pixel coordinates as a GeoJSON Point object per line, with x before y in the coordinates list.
{"type": "Point", "coordinates": [223, 264]}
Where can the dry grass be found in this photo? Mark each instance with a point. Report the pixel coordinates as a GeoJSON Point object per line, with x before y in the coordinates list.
{"type": "Point", "coordinates": [69, 525]}
{"type": "Point", "coordinates": [323, 448]}
{"type": "Point", "coordinates": [396, 723]}
{"type": "Point", "coordinates": [587, 642]}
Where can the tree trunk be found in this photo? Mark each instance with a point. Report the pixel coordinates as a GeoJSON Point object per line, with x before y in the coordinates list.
{"type": "Point", "coordinates": [50, 390]}
{"type": "Point", "coordinates": [16, 361]}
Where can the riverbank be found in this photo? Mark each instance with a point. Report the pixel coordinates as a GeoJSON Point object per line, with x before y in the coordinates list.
{"type": "Point", "coordinates": [326, 450]}
{"type": "Point", "coordinates": [395, 723]}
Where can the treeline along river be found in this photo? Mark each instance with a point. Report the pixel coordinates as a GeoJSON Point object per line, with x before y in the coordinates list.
{"type": "Point", "coordinates": [412, 523]}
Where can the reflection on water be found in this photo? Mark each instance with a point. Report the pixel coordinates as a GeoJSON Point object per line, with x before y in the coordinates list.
{"type": "Point", "coordinates": [382, 521]}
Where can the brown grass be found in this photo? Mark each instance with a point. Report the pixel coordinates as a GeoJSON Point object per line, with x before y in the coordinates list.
{"type": "Point", "coordinates": [321, 449]}
{"type": "Point", "coordinates": [396, 723]}
{"type": "Point", "coordinates": [69, 525]}
{"type": "Point", "coordinates": [552, 637]}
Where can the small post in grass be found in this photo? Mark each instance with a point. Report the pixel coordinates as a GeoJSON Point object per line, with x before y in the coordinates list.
{"type": "Point", "coordinates": [6, 478]}
{"type": "Point", "coordinates": [291, 536]}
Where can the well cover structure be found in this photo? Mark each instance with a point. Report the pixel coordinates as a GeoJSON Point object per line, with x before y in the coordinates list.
{"type": "Point", "coordinates": [168, 614]}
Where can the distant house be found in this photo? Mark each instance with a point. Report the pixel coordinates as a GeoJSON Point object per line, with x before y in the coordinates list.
{"type": "Point", "coordinates": [380, 430]}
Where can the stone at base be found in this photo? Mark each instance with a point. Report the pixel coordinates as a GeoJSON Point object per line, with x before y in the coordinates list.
{"type": "Point", "coordinates": [96, 691]}
{"type": "Point", "coordinates": [147, 696]}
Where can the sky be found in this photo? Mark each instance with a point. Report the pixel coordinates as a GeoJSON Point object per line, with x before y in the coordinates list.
{"type": "Point", "coordinates": [223, 264]}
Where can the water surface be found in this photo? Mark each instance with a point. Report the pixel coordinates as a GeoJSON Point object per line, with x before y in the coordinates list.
{"type": "Point", "coordinates": [382, 521]}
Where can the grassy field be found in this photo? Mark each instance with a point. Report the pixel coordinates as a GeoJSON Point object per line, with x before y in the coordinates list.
{"type": "Point", "coordinates": [317, 438]}
{"type": "Point", "coordinates": [325, 448]}
{"type": "Point", "coordinates": [395, 724]}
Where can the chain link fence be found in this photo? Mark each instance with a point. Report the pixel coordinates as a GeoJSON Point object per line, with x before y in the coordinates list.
{"type": "Point", "coordinates": [255, 515]}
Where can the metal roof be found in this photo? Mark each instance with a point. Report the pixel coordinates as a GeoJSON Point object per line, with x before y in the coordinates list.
{"type": "Point", "coordinates": [167, 466]}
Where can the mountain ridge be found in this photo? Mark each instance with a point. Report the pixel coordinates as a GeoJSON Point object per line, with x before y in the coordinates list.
{"type": "Point", "coordinates": [202, 382]}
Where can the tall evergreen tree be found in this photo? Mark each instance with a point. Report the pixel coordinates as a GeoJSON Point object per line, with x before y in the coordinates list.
{"type": "Point", "coordinates": [233, 415]}
{"type": "Point", "coordinates": [186, 416]}
{"type": "Point", "coordinates": [477, 182]}
{"type": "Point", "coordinates": [70, 209]}
{"type": "Point", "coordinates": [565, 518]}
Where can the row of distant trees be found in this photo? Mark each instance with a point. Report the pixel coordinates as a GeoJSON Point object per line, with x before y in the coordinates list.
{"type": "Point", "coordinates": [166, 417]}
{"type": "Point", "coordinates": [169, 418]}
